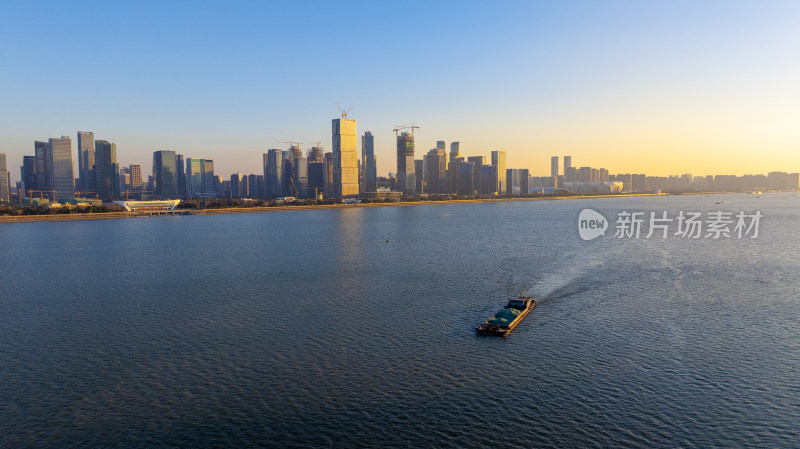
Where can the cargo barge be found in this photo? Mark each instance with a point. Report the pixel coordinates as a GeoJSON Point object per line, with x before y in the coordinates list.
{"type": "Point", "coordinates": [507, 319]}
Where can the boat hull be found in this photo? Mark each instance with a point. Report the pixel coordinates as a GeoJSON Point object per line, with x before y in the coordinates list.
{"type": "Point", "coordinates": [487, 329]}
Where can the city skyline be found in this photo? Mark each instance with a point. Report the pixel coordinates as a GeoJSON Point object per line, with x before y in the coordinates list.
{"type": "Point", "coordinates": [660, 89]}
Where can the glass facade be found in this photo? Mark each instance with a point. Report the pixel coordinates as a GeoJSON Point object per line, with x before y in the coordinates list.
{"type": "Point", "coordinates": [165, 178]}
{"type": "Point", "coordinates": [62, 177]}
{"type": "Point", "coordinates": [345, 158]}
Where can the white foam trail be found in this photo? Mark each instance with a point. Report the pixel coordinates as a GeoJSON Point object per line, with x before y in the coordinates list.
{"type": "Point", "coordinates": [561, 275]}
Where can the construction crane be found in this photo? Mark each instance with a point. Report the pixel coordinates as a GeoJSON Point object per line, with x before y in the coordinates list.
{"type": "Point", "coordinates": [294, 143]}
{"type": "Point", "coordinates": [403, 128]}
{"type": "Point", "coordinates": [319, 144]}
{"type": "Point", "coordinates": [41, 193]}
{"type": "Point", "coordinates": [342, 111]}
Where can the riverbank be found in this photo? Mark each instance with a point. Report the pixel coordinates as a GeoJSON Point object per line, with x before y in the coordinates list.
{"type": "Point", "coordinates": [237, 210]}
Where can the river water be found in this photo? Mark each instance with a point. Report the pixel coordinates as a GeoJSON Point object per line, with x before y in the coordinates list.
{"type": "Point", "coordinates": [355, 328]}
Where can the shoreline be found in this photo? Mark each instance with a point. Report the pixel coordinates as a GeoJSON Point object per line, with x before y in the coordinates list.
{"type": "Point", "coordinates": [238, 210]}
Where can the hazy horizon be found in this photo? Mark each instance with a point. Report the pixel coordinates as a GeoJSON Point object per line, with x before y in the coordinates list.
{"type": "Point", "coordinates": [660, 89]}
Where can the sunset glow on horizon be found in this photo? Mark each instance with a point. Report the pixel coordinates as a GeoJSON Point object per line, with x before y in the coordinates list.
{"type": "Point", "coordinates": [661, 89]}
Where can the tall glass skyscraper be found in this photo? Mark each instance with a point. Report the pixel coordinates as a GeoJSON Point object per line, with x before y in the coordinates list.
{"type": "Point", "coordinates": [62, 177]}
{"type": "Point", "coordinates": [207, 168]}
{"type": "Point", "coordinates": [499, 161]}
{"type": "Point", "coordinates": [406, 178]}
{"type": "Point", "coordinates": [165, 177]}
{"type": "Point", "coordinates": [180, 176]}
{"type": "Point", "coordinates": [29, 172]}
{"type": "Point", "coordinates": [106, 170]}
{"type": "Point", "coordinates": [42, 155]}
{"type": "Point", "coordinates": [368, 162]}
{"type": "Point", "coordinates": [274, 173]}
{"type": "Point", "coordinates": [4, 190]}
{"type": "Point", "coordinates": [345, 157]}
{"type": "Point", "coordinates": [194, 177]}
{"type": "Point", "coordinates": [86, 152]}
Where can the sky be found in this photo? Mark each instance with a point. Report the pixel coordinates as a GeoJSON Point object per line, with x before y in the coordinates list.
{"type": "Point", "coordinates": [662, 88]}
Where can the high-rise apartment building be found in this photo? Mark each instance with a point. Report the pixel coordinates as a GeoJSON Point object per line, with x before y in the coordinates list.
{"type": "Point", "coordinates": [524, 180]}
{"type": "Point", "coordinates": [499, 161]}
{"type": "Point", "coordinates": [477, 162]}
{"type": "Point", "coordinates": [368, 162]}
{"type": "Point", "coordinates": [62, 178]}
{"type": "Point", "coordinates": [85, 162]}
{"type": "Point", "coordinates": [435, 170]}
{"type": "Point", "coordinates": [345, 157]}
{"type": "Point", "coordinates": [466, 178]}
{"type": "Point", "coordinates": [106, 170]}
{"type": "Point", "coordinates": [236, 185]}
{"type": "Point", "coordinates": [165, 176]}
{"type": "Point", "coordinates": [568, 175]}
{"type": "Point", "coordinates": [406, 178]}
{"type": "Point", "coordinates": [136, 182]}
{"type": "Point", "coordinates": [453, 168]}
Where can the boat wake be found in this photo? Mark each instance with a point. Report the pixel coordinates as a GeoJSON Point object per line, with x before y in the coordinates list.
{"type": "Point", "coordinates": [573, 276]}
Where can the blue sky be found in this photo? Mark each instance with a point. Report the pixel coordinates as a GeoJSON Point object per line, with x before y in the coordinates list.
{"type": "Point", "coordinates": [660, 88]}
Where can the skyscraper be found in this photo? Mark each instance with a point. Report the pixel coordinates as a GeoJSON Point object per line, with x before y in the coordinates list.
{"type": "Point", "coordinates": [435, 171]}
{"type": "Point", "coordinates": [368, 162]}
{"type": "Point", "coordinates": [477, 162]}
{"type": "Point", "coordinates": [208, 186]}
{"type": "Point", "coordinates": [300, 174]}
{"type": "Point", "coordinates": [180, 176]}
{"type": "Point", "coordinates": [28, 174]}
{"type": "Point", "coordinates": [236, 185]}
{"type": "Point", "coordinates": [194, 176]}
{"type": "Point", "coordinates": [455, 151]}
{"type": "Point", "coordinates": [406, 179]}
{"type": "Point", "coordinates": [62, 178]}
{"type": "Point", "coordinates": [554, 170]}
{"type": "Point", "coordinates": [568, 168]}
{"type": "Point", "coordinates": [4, 190]}
{"type": "Point", "coordinates": [524, 178]}
{"type": "Point", "coordinates": [42, 155]}
{"type": "Point", "coordinates": [419, 172]}
{"type": "Point", "coordinates": [466, 178]}
{"type": "Point", "coordinates": [499, 161]}
{"type": "Point", "coordinates": [328, 175]}
{"type": "Point", "coordinates": [106, 170]}
{"type": "Point", "coordinates": [85, 162]}
{"type": "Point", "coordinates": [136, 182]}
{"type": "Point", "coordinates": [165, 177]}
{"type": "Point", "coordinates": [345, 157]}
{"type": "Point", "coordinates": [274, 173]}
